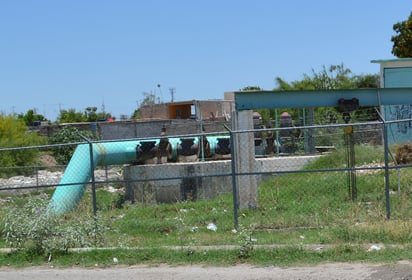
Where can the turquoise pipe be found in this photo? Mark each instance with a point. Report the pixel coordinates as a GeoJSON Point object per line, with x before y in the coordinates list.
{"type": "Point", "coordinates": [78, 172]}
{"type": "Point", "coordinates": [213, 142]}
{"type": "Point", "coordinates": [174, 143]}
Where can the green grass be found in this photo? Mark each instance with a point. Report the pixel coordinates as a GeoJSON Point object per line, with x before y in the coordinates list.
{"type": "Point", "coordinates": [286, 256]}
{"type": "Point", "coordinates": [294, 210]}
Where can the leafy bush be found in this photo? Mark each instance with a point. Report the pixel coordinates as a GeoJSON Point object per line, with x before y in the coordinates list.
{"type": "Point", "coordinates": [35, 228]}
{"type": "Point", "coordinates": [404, 154]}
{"type": "Point", "coordinates": [246, 241]}
{"type": "Point", "coordinates": [67, 135]}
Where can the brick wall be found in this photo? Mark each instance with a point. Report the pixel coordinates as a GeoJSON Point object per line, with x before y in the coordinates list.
{"type": "Point", "coordinates": [155, 111]}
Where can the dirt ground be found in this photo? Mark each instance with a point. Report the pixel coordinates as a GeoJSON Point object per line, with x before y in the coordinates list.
{"type": "Point", "coordinates": [357, 271]}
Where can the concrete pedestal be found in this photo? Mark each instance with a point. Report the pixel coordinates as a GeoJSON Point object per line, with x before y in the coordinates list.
{"type": "Point", "coordinates": [244, 146]}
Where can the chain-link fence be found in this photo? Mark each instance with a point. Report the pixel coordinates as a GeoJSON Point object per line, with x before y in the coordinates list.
{"type": "Point", "coordinates": [293, 177]}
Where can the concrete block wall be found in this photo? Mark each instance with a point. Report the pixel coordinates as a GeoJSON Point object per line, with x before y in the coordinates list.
{"type": "Point", "coordinates": [212, 110]}
{"type": "Point", "coordinates": [129, 130]}
{"type": "Point", "coordinates": [279, 164]}
{"type": "Point", "coordinates": [139, 129]}
{"type": "Point", "coordinates": [189, 181]}
{"type": "Point", "coordinates": [195, 180]}
{"type": "Point", "coordinates": [144, 129]}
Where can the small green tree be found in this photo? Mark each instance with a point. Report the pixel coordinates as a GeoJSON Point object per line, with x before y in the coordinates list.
{"type": "Point", "coordinates": [14, 133]}
{"type": "Point", "coordinates": [31, 117]}
{"type": "Point", "coordinates": [137, 114]}
{"type": "Point", "coordinates": [70, 116]}
{"type": "Point", "coordinates": [90, 114]}
{"type": "Point", "coordinates": [402, 41]}
{"type": "Point", "coordinates": [67, 135]}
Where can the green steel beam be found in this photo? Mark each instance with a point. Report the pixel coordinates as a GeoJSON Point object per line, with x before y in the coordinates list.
{"type": "Point", "coordinates": [250, 100]}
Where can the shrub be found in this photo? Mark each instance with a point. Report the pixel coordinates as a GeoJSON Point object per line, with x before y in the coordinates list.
{"type": "Point", "coordinates": [35, 228]}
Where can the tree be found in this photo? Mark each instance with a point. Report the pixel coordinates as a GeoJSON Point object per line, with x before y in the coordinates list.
{"type": "Point", "coordinates": [251, 88]}
{"type": "Point", "coordinates": [366, 81]}
{"type": "Point", "coordinates": [328, 78]}
{"type": "Point", "coordinates": [332, 77]}
{"type": "Point", "coordinates": [402, 42]}
{"type": "Point", "coordinates": [136, 114]}
{"type": "Point", "coordinates": [70, 116]}
{"type": "Point", "coordinates": [31, 117]}
{"type": "Point", "coordinates": [90, 114]}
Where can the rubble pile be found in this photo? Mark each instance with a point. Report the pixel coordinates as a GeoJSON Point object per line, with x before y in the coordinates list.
{"type": "Point", "coordinates": [46, 178]}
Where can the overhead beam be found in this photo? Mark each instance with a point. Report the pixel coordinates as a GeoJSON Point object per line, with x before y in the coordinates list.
{"type": "Point", "coordinates": [249, 100]}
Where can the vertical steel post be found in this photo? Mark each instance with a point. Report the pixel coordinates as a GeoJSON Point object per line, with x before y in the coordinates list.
{"type": "Point", "coordinates": [311, 131]}
{"type": "Point", "coordinates": [277, 133]}
{"type": "Point", "coordinates": [36, 170]}
{"type": "Point", "coordinates": [386, 158]}
{"type": "Point", "coordinates": [93, 180]}
{"type": "Point", "coordinates": [350, 162]}
{"type": "Point", "coordinates": [202, 150]}
{"type": "Point", "coordinates": [93, 186]}
{"type": "Point", "coordinates": [234, 180]}
{"type": "Point", "coordinates": [92, 175]}
{"type": "Point", "coordinates": [305, 132]}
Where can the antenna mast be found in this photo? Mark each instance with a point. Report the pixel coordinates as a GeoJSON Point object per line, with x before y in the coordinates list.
{"type": "Point", "coordinates": [172, 93]}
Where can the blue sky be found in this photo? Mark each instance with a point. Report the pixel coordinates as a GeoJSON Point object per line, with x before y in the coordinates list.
{"type": "Point", "coordinates": [79, 53]}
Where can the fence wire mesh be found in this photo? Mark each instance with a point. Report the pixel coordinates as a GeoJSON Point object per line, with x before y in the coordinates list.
{"type": "Point", "coordinates": [274, 179]}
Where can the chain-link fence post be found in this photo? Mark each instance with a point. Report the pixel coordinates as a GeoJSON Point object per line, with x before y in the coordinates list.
{"type": "Point", "coordinates": [234, 181]}
{"type": "Point", "coordinates": [386, 159]}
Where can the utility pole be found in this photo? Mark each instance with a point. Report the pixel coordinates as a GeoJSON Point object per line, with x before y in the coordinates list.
{"type": "Point", "coordinates": [161, 96]}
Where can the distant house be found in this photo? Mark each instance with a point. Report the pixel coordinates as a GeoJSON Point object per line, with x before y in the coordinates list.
{"type": "Point", "coordinates": [218, 110]}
